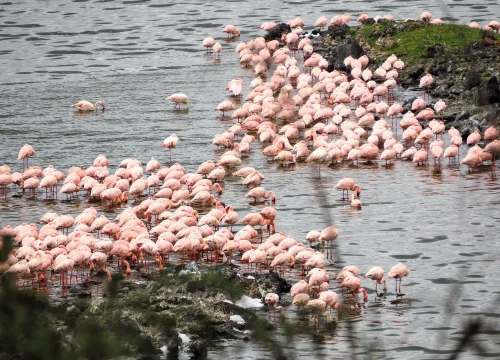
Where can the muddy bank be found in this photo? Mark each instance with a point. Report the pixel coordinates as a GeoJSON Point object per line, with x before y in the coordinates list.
{"type": "Point", "coordinates": [179, 310]}
{"type": "Point", "coordinates": [465, 63]}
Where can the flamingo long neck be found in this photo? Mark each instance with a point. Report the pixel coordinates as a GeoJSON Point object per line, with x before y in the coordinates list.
{"type": "Point", "coordinates": [382, 281]}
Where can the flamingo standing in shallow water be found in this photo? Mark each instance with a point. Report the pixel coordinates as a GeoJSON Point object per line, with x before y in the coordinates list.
{"type": "Point", "coordinates": [347, 184]}
{"type": "Point", "coordinates": [208, 43]}
{"type": "Point", "coordinates": [24, 153]}
{"type": "Point", "coordinates": [179, 98]}
{"type": "Point", "coordinates": [398, 271]}
{"type": "Point", "coordinates": [272, 299]}
{"type": "Point", "coordinates": [377, 273]}
{"type": "Point", "coordinates": [171, 142]}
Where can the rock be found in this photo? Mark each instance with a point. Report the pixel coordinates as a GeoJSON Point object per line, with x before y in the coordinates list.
{"type": "Point", "coordinates": [194, 286]}
{"type": "Point", "coordinates": [276, 32]}
{"type": "Point", "coordinates": [72, 311]}
{"type": "Point", "coordinates": [336, 57]}
{"type": "Point", "coordinates": [439, 92]}
{"type": "Point", "coordinates": [415, 71]}
{"type": "Point", "coordinates": [489, 94]}
{"type": "Point", "coordinates": [456, 90]}
{"type": "Point", "coordinates": [191, 266]}
{"type": "Point", "coordinates": [435, 51]}
{"type": "Point", "coordinates": [476, 46]}
{"type": "Point", "coordinates": [472, 79]}
{"type": "Point", "coordinates": [337, 32]}
{"type": "Point", "coordinates": [369, 21]}
{"type": "Point", "coordinates": [385, 43]}
{"type": "Point", "coordinates": [463, 115]}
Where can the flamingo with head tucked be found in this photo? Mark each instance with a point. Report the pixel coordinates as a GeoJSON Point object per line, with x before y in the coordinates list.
{"type": "Point", "coordinates": [85, 105]}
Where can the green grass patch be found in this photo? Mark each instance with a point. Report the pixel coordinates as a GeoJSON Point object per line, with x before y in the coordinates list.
{"type": "Point", "coordinates": [413, 45]}
{"type": "Point", "coordinates": [412, 39]}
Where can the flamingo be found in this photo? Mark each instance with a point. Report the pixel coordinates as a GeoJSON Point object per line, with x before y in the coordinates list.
{"type": "Point", "coordinates": [354, 284]}
{"type": "Point", "coordinates": [377, 273]}
{"type": "Point", "coordinates": [24, 153]}
{"type": "Point", "coordinates": [85, 105]}
{"type": "Point", "coordinates": [217, 48]}
{"type": "Point", "coordinates": [398, 271]}
{"type": "Point", "coordinates": [425, 83]}
{"type": "Point", "coordinates": [171, 142]}
{"type": "Point", "coordinates": [346, 185]}
{"type": "Point", "coordinates": [260, 192]}
{"type": "Point", "coordinates": [179, 98]}
{"type": "Point", "coordinates": [272, 299]}
{"type": "Point", "coordinates": [208, 43]}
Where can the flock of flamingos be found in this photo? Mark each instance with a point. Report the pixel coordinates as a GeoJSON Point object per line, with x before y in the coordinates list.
{"type": "Point", "coordinates": [300, 112]}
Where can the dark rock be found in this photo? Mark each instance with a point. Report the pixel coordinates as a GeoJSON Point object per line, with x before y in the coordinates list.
{"type": "Point", "coordinates": [350, 47]}
{"type": "Point", "coordinates": [476, 46]}
{"type": "Point", "coordinates": [440, 92]}
{"type": "Point", "coordinates": [415, 71]}
{"type": "Point", "coordinates": [435, 51]}
{"type": "Point", "coordinates": [463, 115]}
{"type": "Point", "coordinates": [337, 32]}
{"type": "Point", "coordinates": [195, 285]}
{"type": "Point", "coordinates": [72, 311]}
{"type": "Point", "coordinates": [383, 21]}
{"type": "Point", "coordinates": [369, 21]}
{"type": "Point", "coordinates": [489, 94]}
{"type": "Point", "coordinates": [472, 79]}
{"type": "Point", "coordinates": [276, 32]}
{"type": "Point", "coordinates": [456, 90]}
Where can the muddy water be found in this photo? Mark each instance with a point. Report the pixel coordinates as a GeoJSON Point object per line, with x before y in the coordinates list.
{"type": "Point", "coordinates": [441, 221]}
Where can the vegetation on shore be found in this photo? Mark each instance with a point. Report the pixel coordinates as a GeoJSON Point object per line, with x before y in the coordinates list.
{"type": "Point", "coordinates": [410, 41]}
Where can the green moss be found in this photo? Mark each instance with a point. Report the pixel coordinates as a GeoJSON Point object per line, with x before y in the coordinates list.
{"type": "Point", "coordinates": [413, 45]}
{"type": "Point", "coordinates": [412, 39]}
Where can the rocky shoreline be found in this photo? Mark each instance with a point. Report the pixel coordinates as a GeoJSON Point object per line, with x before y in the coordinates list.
{"type": "Point", "coordinates": [159, 315]}
{"type": "Point", "coordinates": [466, 67]}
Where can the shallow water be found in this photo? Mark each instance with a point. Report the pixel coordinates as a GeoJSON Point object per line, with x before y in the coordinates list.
{"type": "Point", "coordinates": [133, 54]}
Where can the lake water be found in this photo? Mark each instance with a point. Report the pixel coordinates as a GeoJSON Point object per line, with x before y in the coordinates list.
{"type": "Point", "coordinates": [442, 222]}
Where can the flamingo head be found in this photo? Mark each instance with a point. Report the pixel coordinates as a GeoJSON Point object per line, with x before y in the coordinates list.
{"type": "Point", "coordinates": [102, 105]}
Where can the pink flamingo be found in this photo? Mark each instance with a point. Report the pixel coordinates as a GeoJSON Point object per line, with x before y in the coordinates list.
{"type": "Point", "coordinates": [208, 43]}
{"type": "Point", "coordinates": [272, 299]}
{"type": "Point", "coordinates": [377, 273]}
{"type": "Point", "coordinates": [259, 192]}
{"type": "Point", "coordinates": [398, 271]}
{"type": "Point", "coordinates": [231, 30]}
{"type": "Point", "coordinates": [354, 284]}
{"type": "Point", "coordinates": [179, 98]}
{"type": "Point", "coordinates": [217, 48]}
{"type": "Point", "coordinates": [171, 142]}
{"type": "Point", "coordinates": [321, 22]}
{"type": "Point", "coordinates": [318, 306]}
{"type": "Point", "coordinates": [425, 83]}
{"type": "Point", "coordinates": [346, 185]}
{"type": "Point", "coordinates": [5, 180]}
{"type": "Point", "coordinates": [84, 105]}
{"type": "Point", "coordinates": [24, 153]}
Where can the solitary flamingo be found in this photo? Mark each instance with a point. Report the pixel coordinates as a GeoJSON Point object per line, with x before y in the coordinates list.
{"type": "Point", "coordinates": [171, 142]}
{"type": "Point", "coordinates": [179, 98]}
{"type": "Point", "coordinates": [85, 105]}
